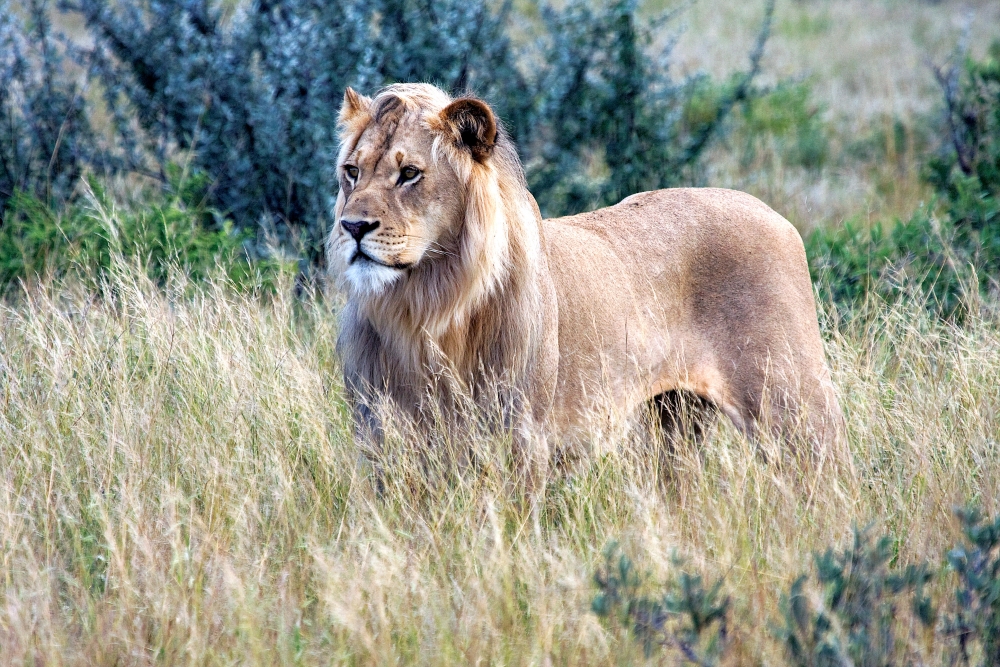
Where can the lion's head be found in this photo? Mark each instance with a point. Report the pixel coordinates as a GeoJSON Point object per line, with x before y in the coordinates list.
{"type": "Point", "coordinates": [433, 209]}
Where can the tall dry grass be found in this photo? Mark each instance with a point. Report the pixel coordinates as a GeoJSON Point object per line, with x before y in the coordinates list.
{"type": "Point", "coordinates": [179, 486]}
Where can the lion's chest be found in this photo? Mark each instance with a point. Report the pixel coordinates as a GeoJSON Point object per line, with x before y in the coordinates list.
{"type": "Point", "coordinates": [422, 361]}
{"type": "Point", "coordinates": [471, 358]}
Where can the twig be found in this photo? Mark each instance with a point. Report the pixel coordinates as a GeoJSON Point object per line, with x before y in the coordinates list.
{"type": "Point", "coordinates": [948, 80]}
{"type": "Point", "coordinates": [739, 93]}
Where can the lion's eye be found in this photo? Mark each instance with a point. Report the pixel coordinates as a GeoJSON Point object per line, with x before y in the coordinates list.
{"type": "Point", "coordinates": [408, 174]}
{"type": "Point", "coordinates": [351, 171]}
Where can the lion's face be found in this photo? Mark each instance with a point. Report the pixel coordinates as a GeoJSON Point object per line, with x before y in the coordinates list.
{"type": "Point", "coordinates": [401, 202]}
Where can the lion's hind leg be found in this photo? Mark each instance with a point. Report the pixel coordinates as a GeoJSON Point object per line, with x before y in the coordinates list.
{"type": "Point", "coordinates": [683, 416]}
{"type": "Point", "coordinates": [678, 422]}
{"type": "Point", "coordinates": [789, 416]}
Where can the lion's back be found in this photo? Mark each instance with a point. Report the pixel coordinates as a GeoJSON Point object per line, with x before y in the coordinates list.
{"type": "Point", "coordinates": [697, 236]}
{"type": "Point", "coordinates": [685, 221]}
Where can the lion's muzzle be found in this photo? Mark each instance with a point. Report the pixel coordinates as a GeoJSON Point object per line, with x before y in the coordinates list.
{"type": "Point", "coordinates": [358, 228]}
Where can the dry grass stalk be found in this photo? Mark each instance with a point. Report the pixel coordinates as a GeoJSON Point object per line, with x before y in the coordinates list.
{"type": "Point", "coordinates": [179, 485]}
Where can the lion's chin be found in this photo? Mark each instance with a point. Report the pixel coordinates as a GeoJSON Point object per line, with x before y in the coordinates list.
{"type": "Point", "coordinates": [369, 278]}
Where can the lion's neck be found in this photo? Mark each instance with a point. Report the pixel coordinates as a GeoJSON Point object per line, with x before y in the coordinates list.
{"type": "Point", "coordinates": [469, 319]}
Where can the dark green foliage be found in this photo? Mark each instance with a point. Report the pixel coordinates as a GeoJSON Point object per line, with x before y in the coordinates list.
{"type": "Point", "coordinates": [948, 252]}
{"type": "Point", "coordinates": [918, 257]}
{"type": "Point", "coordinates": [607, 130]}
{"type": "Point", "coordinates": [165, 235]}
{"type": "Point", "coordinates": [967, 171]}
{"type": "Point", "coordinates": [254, 96]}
{"type": "Point", "coordinates": [787, 116]}
{"type": "Point", "coordinates": [687, 616]}
{"type": "Point", "coordinates": [251, 95]}
{"type": "Point", "coordinates": [857, 622]}
{"type": "Point", "coordinates": [46, 139]}
{"type": "Point", "coordinates": [976, 563]}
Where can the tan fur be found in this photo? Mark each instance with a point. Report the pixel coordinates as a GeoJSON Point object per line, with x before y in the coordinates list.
{"type": "Point", "coordinates": [582, 319]}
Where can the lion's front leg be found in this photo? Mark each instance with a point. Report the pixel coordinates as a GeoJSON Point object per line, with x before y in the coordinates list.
{"type": "Point", "coordinates": [527, 409]}
{"type": "Point", "coordinates": [364, 385]}
{"type": "Point", "coordinates": [531, 457]}
{"type": "Point", "coordinates": [368, 430]}
{"type": "Point", "coordinates": [534, 404]}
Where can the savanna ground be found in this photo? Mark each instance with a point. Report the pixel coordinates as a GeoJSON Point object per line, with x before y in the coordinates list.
{"type": "Point", "coordinates": [179, 484]}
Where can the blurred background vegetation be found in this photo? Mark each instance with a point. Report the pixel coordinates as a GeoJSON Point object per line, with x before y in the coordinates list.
{"type": "Point", "coordinates": [874, 129]}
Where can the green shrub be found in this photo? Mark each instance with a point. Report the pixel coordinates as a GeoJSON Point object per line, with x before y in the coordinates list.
{"type": "Point", "coordinates": [856, 607]}
{"type": "Point", "coordinates": [976, 620]}
{"type": "Point", "coordinates": [858, 620]}
{"type": "Point", "coordinates": [787, 116]}
{"type": "Point", "coordinates": [164, 235]}
{"type": "Point", "coordinates": [687, 616]}
{"type": "Point", "coordinates": [607, 119]}
{"type": "Point", "coordinates": [967, 170]}
{"type": "Point", "coordinates": [919, 258]}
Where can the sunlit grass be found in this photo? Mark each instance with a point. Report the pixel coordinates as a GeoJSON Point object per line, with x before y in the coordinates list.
{"type": "Point", "coordinates": [179, 485]}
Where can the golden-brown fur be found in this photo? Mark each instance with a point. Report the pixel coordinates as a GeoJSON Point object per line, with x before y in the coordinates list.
{"type": "Point", "coordinates": [458, 285]}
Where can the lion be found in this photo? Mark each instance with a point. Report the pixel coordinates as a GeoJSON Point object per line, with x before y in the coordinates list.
{"type": "Point", "coordinates": [455, 284]}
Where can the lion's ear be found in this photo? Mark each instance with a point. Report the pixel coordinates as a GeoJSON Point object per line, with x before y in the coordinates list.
{"type": "Point", "coordinates": [353, 105]}
{"type": "Point", "coordinates": [472, 125]}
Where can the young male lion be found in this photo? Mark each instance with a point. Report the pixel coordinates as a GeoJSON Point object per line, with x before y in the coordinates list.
{"type": "Point", "coordinates": [455, 284]}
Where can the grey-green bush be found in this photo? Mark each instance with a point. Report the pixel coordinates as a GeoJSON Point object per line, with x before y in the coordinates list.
{"type": "Point", "coordinates": [254, 96]}
{"type": "Point", "coordinates": [687, 616]}
{"type": "Point", "coordinates": [856, 607]}
{"type": "Point", "coordinates": [46, 139]}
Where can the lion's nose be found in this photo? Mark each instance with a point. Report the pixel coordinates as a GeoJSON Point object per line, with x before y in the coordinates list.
{"type": "Point", "coordinates": [358, 228]}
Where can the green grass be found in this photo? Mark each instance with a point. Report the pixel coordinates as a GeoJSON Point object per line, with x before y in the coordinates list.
{"type": "Point", "coordinates": [159, 230]}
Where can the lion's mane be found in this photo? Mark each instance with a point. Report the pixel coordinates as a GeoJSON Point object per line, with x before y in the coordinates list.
{"type": "Point", "coordinates": [472, 307]}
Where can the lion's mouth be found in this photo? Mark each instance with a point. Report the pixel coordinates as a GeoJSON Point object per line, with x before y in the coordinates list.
{"type": "Point", "coordinates": [360, 254]}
